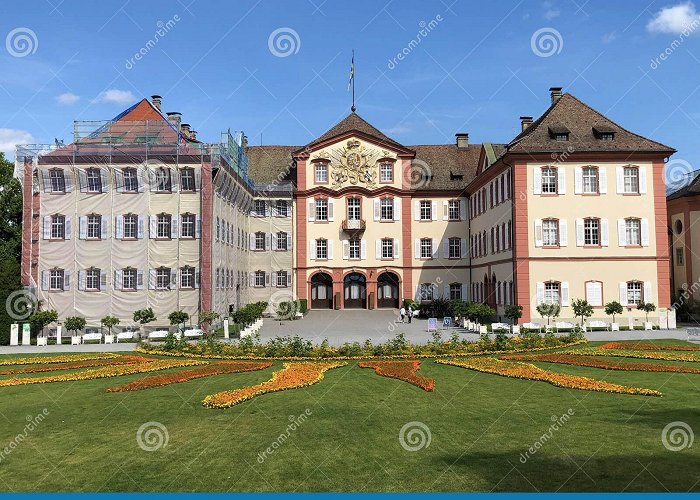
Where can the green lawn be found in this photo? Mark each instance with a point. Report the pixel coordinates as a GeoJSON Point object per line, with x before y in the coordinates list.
{"type": "Point", "coordinates": [479, 424]}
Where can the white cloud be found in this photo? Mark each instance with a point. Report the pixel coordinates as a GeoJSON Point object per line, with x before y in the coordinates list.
{"type": "Point", "coordinates": [10, 137]}
{"type": "Point", "coordinates": [115, 96]}
{"type": "Point", "coordinates": [67, 98]}
{"type": "Point", "coordinates": [609, 37]}
{"type": "Point", "coordinates": [398, 130]}
{"type": "Point", "coordinates": [551, 14]}
{"type": "Point", "coordinates": [674, 19]}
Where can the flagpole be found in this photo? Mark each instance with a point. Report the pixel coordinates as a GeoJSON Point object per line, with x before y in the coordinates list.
{"type": "Point", "coordinates": [353, 108]}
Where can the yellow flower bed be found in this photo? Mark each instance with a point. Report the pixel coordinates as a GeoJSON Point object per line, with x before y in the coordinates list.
{"type": "Point", "coordinates": [631, 353]}
{"type": "Point", "coordinates": [529, 371]}
{"type": "Point", "coordinates": [40, 360]}
{"type": "Point", "coordinates": [103, 372]}
{"type": "Point", "coordinates": [291, 376]}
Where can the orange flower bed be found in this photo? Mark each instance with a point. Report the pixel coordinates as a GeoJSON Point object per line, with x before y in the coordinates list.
{"type": "Point", "coordinates": [52, 367]}
{"type": "Point", "coordinates": [649, 346]}
{"type": "Point", "coordinates": [103, 372]}
{"type": "Point", "coordinates": [596, 362]}
{"type": "Point", "coordinates": [291, 376]}
{"type": "Point", "coordinates": [195, 373]}
{"type": "Point", "coordinates": [642, 354]}
{"type": "Point", "coordinates": [402, 370]}
{"type": "Point", "coordinates": [531, 372]}
{"type": "Point", "coordinates": [40, 360]}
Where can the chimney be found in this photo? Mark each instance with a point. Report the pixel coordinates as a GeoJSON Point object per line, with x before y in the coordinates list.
{"type": "Point", "coordinates": [525, 122]}
{"type": "Point", "coordinates": [462, 140]}
{"type": "Point", "coordinates": [155, 99]}
{"type": "Point", "coordinates": [174, 117]}
{"type": "Point", "coordinates": [555, 92]}
{"type": "Point", "coordinates": [185, 130]}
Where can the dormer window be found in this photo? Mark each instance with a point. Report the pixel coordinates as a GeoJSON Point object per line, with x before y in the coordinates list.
{"type": "Point", "coordinates": [456, 177]}
{"type": "Point", "coordinates": [559, 133]}
{"type": "Point", "coordinates": [604, 133]}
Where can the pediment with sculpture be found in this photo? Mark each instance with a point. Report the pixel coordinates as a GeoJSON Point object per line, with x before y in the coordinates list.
{"type": "Point", "coordinates": [353, 163]}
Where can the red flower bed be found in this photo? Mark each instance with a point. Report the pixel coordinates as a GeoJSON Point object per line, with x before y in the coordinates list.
{"type": "Point", "coordinates": [596, 362]}
{"type": "Point", "coordinates": [650, 346]}
{"type": "Point", "coordinates": [402, 370]}
{"type": "Point", "coordinates": [121, 360]}
{"type": "Point", "coordinates": [195, 373]}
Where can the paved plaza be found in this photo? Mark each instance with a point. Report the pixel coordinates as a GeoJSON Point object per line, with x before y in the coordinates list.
{"type": "Point", "coordinates": [348, 326]}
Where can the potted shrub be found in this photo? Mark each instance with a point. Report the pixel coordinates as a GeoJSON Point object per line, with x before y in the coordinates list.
{"type": "Point", "coordinates": [143, 317]}
{"type": "Point", "coordinates": [647, 307]}
{"type": "Point", "coordinates": [178, 317]}
{"type": "Point", "coordinates": [74, 324]}
{"type": "Point", "coordinates": [611, 309]}
{"type": "Point", "coordinates": [109, 322]}
{"type": "Point", "coordinates": [548, 311]}
{"type": "Point", "coordinates": [514, 312]}
{"type": "Point", "coordinates": [582, 309]}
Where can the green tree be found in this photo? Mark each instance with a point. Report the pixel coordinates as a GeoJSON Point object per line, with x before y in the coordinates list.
{"type": "Point", "coordinates": [178, 317]}
{"type": "Point", "coordinates": [613, 308]}
{"type": "Point", "coordinates": [40, 319]}
{"type": "Point", "coordinates": [647, 307]}
{"type": "Point", "coordinates": [75, 323]}
{"type": "Point", "coordinates": [144, 316]}
{"type": "Point", "coordinates": [548, 311]}
{"type": "Point", "coordinates": [10, 242]}
{"type": "Point", "coordinates": [479, 312]}
{"type": "Point", "coordinates": [582, 309]}
{"type": "Point", "coordinates": [206, 318]}
{"type": "Point", "coordinates": [514, 312]}
{"type": "Point", "coordinates": [109, 322]}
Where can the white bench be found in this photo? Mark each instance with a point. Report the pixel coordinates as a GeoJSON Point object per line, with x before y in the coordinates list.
{"type": "Point", "coordinates": [515, 329]}
{"type": "Point", "coordinates": [158, 335]}
{"type": "Point", "coordinates": [598, 324]}
{"type": "Point", "coordinates": [482, 329]}
{"type": "Point", "coordinates": [88, 337]}
{"type": "Point", "coordinates": [564, 325]}
{"type": "Point", "coordinates": [648, 325]}
{"type": "Point", "coordinates": [42, 341]}
{"type": "Point", "coordinates": [693, 334]}
{"type": "Point", "coordinates": [109, 339]}
{"type": "Point", "coordinates": [614, 327]}
{"type": "Point", "coordinates": [500, 326]}
{"type": "Point", "coordinates": [193, 334]}
{"type": "Point", "coordinates": [76, 339]}
{"type": "Point", "coordinates": [532, 326]}
{"type": "Point", "coordinates": [125, 336]}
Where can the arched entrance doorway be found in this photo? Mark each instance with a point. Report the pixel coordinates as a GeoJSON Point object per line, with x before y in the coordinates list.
{"type": "Point", "coordinates": [355, 291]}
{"type": "Point", "coordinates": [388, 290]}
{"type": "Point", "coordinates": [321, 291]}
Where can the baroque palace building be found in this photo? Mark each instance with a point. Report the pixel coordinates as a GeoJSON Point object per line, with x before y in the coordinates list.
{"type": "Point", "coordinates": [137, 212]}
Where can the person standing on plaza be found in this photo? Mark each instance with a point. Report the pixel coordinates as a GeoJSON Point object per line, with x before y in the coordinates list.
{"type": "Point", "coordinates": [402, 314]}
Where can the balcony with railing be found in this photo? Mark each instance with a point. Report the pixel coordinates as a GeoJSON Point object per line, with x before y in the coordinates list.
{"type": "Point", "coordinates": [353, 226]}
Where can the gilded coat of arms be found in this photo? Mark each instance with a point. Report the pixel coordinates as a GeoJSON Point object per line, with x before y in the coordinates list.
{"type": "Point", "coordinates": [353, 163]}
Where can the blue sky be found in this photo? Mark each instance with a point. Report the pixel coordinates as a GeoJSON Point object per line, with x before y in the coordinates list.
{"type": "Point", "coordinates": [477, 69]}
